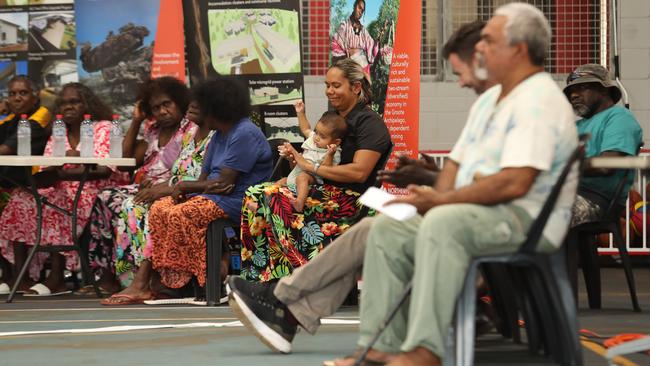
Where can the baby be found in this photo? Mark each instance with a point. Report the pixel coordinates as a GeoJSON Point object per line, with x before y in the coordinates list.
{"type": "Point", "coordinates": [321, 147]}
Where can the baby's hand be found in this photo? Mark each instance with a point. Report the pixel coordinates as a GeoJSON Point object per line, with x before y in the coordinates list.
{"type": "Point", "coordinates": [331, 149]}
{"type": "Point", "coordinates": [299, 106]}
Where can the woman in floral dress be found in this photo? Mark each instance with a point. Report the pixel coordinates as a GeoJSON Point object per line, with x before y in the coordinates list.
{"type": "Point", "coordinates": [58, 186]}
{"type": "Point", "coordinates": [133, 243]}
{"type": "Point", "coordinates": [164, 101]}
{"type": "Point", "coordinates": [238, 156]}
{"type": "Point", "coordinates": [275, 238]}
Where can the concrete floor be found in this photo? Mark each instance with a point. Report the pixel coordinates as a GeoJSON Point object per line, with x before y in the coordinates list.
{"type": "Point", "coordinates": [233, 345]}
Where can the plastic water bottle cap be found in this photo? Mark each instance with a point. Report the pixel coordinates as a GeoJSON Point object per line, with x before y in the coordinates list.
{"type": "Point", "coordinates": [59, 116]}
{"type": "Point", "coordinates": [116, 116]}
{"type": "Point", "coordinates": [23, 116]}
{"type": "Point", "coordinates": [86, 116]}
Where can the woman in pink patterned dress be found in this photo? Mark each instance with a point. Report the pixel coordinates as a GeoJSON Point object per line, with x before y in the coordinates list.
{"type": "Point", "coordinates": [58, 185]}
{"type": "Point", "coordinates": [164, 100]}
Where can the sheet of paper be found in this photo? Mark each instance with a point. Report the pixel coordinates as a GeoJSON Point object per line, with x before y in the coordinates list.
{"type": "Point", "coordinates": [375, 198]}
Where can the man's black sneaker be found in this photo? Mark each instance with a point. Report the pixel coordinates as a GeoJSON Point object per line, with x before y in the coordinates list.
{"type": "Point", "coordinates": [259, 310]}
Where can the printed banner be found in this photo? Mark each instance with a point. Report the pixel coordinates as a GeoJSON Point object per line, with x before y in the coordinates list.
{"type": "Point", "coordinates": [382, 36]}
{"type": "Point", "coordinates": [116, 53]}
{"type": "Point", "coordinates": [258, 41]}
{"type": "Point", "coordinates": [38, 38]}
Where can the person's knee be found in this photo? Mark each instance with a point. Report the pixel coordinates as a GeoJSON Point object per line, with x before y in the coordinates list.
{"type": "Point", "coordinates": [447, 220]}
{"type": "Point", "coordinates": [382, 231]}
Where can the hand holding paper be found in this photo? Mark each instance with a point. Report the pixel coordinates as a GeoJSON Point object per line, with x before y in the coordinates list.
{"type": "Point", "coordinates": [376, 198]}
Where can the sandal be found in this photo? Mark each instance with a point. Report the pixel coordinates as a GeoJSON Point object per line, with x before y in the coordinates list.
{"type": "Point", "coordinates": [89, 290]}
{"type": "Point", "coordinates": [122, 299]}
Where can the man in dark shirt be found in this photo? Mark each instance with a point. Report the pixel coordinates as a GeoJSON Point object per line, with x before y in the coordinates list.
{"type": "Point", "coordinates": [23, 99]}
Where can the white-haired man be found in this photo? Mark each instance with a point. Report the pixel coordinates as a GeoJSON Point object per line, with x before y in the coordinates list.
{"type": "Point", "coordinates": [517, 139]}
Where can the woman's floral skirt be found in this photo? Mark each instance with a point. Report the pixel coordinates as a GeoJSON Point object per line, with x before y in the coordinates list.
{"type": "Point", "coordinates": [276, 239]}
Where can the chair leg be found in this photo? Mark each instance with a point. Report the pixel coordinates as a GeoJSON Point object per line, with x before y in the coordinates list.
{"type": "Point", "coordinates": [627, 266]}
{"type": "Point", "coordinates": [590, 270]}
{"type": "Point", "coordinates": [213, 244]}
{"type": "Point", "coordinates": [465, 319]}
{"type": "Point", "coordinates": [567, 310]}
{"type": "Point", "coordinates": [571, 250]}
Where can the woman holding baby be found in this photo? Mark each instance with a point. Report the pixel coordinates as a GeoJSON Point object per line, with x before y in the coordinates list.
{"type": "Point", "coordinates": [276, 237]}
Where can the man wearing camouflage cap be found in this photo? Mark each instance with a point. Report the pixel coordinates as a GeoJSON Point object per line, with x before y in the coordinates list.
{"type": "Point", "coordinates": [614, 132]}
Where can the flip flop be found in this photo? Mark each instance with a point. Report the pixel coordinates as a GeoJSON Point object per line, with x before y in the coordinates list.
{"type": "Point", "coordinates": [123, 299]}
{"type": "Point", "coordinates": [90, 291]}
{"type": "Point", "coordinates": [43, 291]}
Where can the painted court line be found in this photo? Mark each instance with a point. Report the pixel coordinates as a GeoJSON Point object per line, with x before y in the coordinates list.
{"type": "Point", "coordinates": [110, 320]}
{"type": "Point", "coordinates": [124, 328]}
{"type": "Point", "coordinates": [106, 308]}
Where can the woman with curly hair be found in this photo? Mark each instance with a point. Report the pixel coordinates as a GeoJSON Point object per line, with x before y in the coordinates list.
{"type": "Point", "coordinates": [58, 185]}
{"type": "Point", "coordinates": [161, 107]}
{"type": "Point", "coordinates": [238, 156]}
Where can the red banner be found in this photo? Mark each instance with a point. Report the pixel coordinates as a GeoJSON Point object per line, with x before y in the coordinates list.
{"type": "Point", "coordinates": [402, 110]}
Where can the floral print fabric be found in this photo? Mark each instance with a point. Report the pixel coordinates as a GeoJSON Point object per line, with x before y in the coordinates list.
{"type": "Point", "coordinates": [276, 240]}
{"type": "Point", "coordinates": [105, 211]}
{"type": "Point", "coordinates": [18, 221]}
{"type": "Point", "coordinates": [133, 243]}
{"type": "Point", "coordinates": [178, 233]}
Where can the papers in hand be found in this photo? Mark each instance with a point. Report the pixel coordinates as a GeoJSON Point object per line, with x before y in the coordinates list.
{"type": "Point", "coordinates": [375, 198]}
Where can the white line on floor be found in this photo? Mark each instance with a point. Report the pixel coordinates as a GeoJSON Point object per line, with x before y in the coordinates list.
{"type": "Point", "coordinates": [123, 328]}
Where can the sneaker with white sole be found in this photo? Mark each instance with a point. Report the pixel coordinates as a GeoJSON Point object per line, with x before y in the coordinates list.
{"type": "Point", "coordinates": [259, 310]}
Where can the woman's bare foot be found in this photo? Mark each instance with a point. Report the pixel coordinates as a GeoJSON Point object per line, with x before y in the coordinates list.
{"type": "Point", "coordinates": [373, 355]}
{"type": "Point", "coordinates": [418, 357]}
{"type": "Point", "coordinates": [138, 291]}
{"type": "Point", "coordinates": [128, 296]}
{"type": "Point", "coordinates": [26, 283]}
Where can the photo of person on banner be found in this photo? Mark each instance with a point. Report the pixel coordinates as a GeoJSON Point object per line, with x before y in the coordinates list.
{"type": "Point", "coordinates": [369, 43]}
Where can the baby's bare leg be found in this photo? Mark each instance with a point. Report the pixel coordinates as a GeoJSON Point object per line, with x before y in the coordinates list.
{"type": "Point", "coordinates": [303, 180]}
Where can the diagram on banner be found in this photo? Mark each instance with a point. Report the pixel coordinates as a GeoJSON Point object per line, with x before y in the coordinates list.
{"type": "Point", "coordinates": [51, 32]}
{"type": "Point", "coordinates": [254, 41]}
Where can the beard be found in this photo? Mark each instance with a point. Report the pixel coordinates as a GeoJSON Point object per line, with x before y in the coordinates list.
{"type": "Point", "coordinates": [582, 110]}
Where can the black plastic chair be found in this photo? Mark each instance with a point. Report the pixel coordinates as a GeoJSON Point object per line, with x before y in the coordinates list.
{"type": "Point", "coordinates": [582, 237]}
{"type": "Point", "coordinates": [543, 288]}
{"type": "Point", "coordinates": [540, 283]}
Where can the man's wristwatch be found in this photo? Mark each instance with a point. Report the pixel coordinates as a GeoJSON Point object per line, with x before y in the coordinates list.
{"type": "Point", "coordinates": [316, 166]}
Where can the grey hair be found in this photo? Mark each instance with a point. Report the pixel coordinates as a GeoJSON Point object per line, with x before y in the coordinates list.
{"type": "Point", "coordinates": [526, 23]}
{"type": "Point", "coordinates": [354, 73]}
{"type": "Point", "coordinates": [27, 80]}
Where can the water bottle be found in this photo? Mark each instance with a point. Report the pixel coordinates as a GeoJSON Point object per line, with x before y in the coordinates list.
{"type": "Point", "coordinates": [24, 134]}
{"type": "Point", "coordinates": [59, 136]}
{"type": "Point", "coordinates": [87, 140]}
{"type": "Point", "coordinates": [117, 135]}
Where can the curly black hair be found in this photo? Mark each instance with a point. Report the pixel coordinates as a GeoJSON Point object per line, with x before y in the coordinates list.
{"type": "Point", "coordinates": [175, 89]}
{"type": "Point", "coordinates": [223, 98]}
{"type": "Point", "coordinates": [92, 104]}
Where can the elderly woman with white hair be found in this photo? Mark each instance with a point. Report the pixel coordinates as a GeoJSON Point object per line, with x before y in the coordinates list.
{"type": "Point", "coordinates": [518, 138]}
